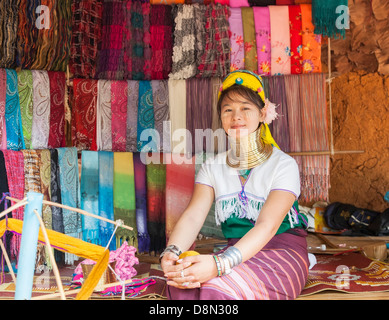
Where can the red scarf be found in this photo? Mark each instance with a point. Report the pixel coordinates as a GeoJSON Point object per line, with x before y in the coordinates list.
{"type": "Point", "coordinates": [296, 41]}
{"type": "Point", "coordinates": [57, 110]}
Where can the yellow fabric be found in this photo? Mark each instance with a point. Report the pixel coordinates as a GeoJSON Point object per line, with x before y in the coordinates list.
{"type": "Point", "coordinates": [266, 135]}
{"type": "Point", "coordinates": [69, 244]}
{"type": "Point", "coordinates": [245, 78]}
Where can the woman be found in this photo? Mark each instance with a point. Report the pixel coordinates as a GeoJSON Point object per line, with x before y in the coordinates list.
{"type": "Point", "coordinates": [255, 187]}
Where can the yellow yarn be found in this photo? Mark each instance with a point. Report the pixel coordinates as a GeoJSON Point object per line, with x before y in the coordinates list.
{"type": "Point", "coordinates": [244, 78]}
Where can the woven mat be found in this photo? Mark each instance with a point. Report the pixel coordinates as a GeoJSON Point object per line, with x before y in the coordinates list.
{"type": "Point", "coordinates": [349, 273]}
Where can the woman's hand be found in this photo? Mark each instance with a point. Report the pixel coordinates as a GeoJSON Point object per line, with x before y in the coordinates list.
{"type": "Point", "coordinates": [190, 272]}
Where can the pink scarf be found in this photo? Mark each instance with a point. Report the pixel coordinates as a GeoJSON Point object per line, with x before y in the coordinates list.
{"type": "Point", "coordinates": [3, 87]}
{"type": "Point", "coordinates": [280, 40]}
{"type": "Point", "coordinates": [236, 39]}
{"type": "Point", "coordinates": [119, 115]}
{"type": "Point", "coordinates": [262, 35]}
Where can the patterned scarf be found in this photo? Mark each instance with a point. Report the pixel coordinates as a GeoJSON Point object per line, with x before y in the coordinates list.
{"type": "Point", "coordinates": [141, 203]}
{"type": "Point", "coordinates": [25, 88]}
{"type": "Point", "coordinates": [237, 43]}
{"type": "Point", "coordinates": [13, 119]}
{"type": "Point", "coordinates": [161, 41]}
{"type": "Point", "coordinates": [86, 34]}
{"type": "Point", "coordinates": [104, 116]}
{"type": "Point", "coordinates": [8, 33]}
{"type": "Point", "coordinates": [119, 115]}
{"type": "Point", "coordinates": [311, 42]}
{"type": "Point", "coordinates": [215, 61]}
{"type": "Point", "coordinates": [295, 39]}
{"type": "Point", "coordinates": [161, 111]}
{"type": "Point", "coordinates": [89, 190]}
{"type": "Point", "coordinates": [147, 53]}
{"type": "Point", "coordinates": [57, 109]}
{"type": "Point", "coordinates": [41, 109]}
{"type": "Point", "coordinates": [132, 115]}
{"type": "Point", "coordinates": [250, 45]}
{"type": "Point", "coordinates": [124, 197]}
{"type": "Point", "coordinates": [262, 37]}
{"type": "Point", "coordinates": [84, 114]}
{"type": "Point", "coordinates": [4, 204]}
{"type": "Point", "coordinates": [156, 205]}
{"type": "Point", "coordinates": [280, 40]}
{"type": "Point", "coordinates": [3, 94]}
{"type": "Point", "coordinates": [137, 44]}
{"type": "Point", "coordinates": [45, 182]}
{"type": "Point", "coordinates": [106, 209]}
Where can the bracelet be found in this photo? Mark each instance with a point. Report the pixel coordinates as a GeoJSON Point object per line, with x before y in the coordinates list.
{"type": "Point", "coordinates": [227, 268]}
{"type": "Point", "coordinates": [218, 266]}
{"type": "Point", "coordinates": [233, 256]}
{"type": "Point", "coordinates": [171, 248]}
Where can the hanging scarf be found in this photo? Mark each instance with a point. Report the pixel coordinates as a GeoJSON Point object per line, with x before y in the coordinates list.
{"type": "Point", "coordinates": [156, 208]}
{"type": "Point", "coordinates": [177, 111]}
{"type": "Point", "coordinates": [45, 182]}
{"type": "Point", "coordinates": [132, 115]}
{"type": "Point", "coordinates": [311, 42]}
{"type": "Point", "coordinates": [324, 17]}
{"type": "Point", "coordinates": [179, 189]}
{"type": "Point", "coordinates": [141, 203]}
{"type": "Point", "coordinates": [41, 109]}
{"type": "Point", "coordinates": [161, 41]}
{"type": "Point", "coordinates": [106, 209]}
{"type": "Point", "coordinates": [250, 45]}
{"type": "Point", "coordinates": [184, 64]}
{"type": "Point", "coordinates": [236, 39]}
{"type": "Point", "coordinates": [13, 119]}
{"type": "Point", "coordinates": [137, 44]}
{"type": "Point", "coordinates": [262, 37]}
{"type": "Point", "coordinates": [55, 193]}
{"type": "Point", "coordinates": [279, 128]}
{"type": "Point", "coordinates": [127, 42]}
{"type": "Point", "coordinates": [295, 39]}
{"type": "Point", "coordinates": [161, 112]}
{"type": "Point", "coordinates": [89, 190]}
{"type": "Point", "coordinates": [104, 116]}
{"type": "Point", "coordinates": [315, 181]}
{"type": "Point", "coordinates": [69, 185]}
{"type": "Point", "coordinates": [57, 109]}
{"type": "Point", "coordinates": [86, 34]}
{"type": "Point", "coordinates": [3, 89]}
{"type": "Point", "coordinates": [25, 88]}
{"type": "Point", "coordinates": [239, 3]}
{"type": "Point", "coordinates": [32, 179]}
{"type": "Point", "coordinates": [124, 197]}
{"type": "Point", "coordinates": [145, 118]}
{"type": "Point", "coordinates": [147, 53]}
{"type": "Point", "coordinates": [8, 34]}
{"type": "Point", "coordinates": [84, 114]}
{"type": "Point", "coordinates": [215, 61]}
{"type": "Point", "coordinates": [280, 40]}
{"type": "Point", "coordinates": [110, 57]}
{"type": "Point", "coordinates": [199, 113]}
{"type": "Point", "coordinates": [262, 3]}
{"type": "Point", "coordinates": [119, 115]}
{"type": "Point", "coordinates": [14, 164]}
{"type": "Point", "coordinates": [4, 204]}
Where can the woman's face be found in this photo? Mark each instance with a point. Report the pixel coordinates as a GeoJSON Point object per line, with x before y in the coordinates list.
{"type": "Point", "coordinates": [239, 116]}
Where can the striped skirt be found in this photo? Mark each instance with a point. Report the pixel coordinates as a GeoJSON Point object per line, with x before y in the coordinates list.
{"type": "Point", "coordinates": [277, 272]}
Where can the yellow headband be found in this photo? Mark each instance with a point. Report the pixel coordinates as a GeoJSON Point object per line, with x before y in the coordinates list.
{"type": "Point", "coordinates": [245, 78]}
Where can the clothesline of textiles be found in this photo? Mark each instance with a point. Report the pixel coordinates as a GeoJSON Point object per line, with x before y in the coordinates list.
{"type": "Point", "coordinates": [133, 40]}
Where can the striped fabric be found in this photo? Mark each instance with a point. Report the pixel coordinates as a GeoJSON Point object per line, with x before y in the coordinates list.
{"type": "Point", "coordinates": [277, 272]}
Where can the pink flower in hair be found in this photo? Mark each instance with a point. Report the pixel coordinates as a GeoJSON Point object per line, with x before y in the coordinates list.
{"type": "Point", "coordinates": [270, 111]}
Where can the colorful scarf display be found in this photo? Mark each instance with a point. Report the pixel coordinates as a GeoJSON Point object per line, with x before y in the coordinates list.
{"type": "Point", "coordinates": [280, 40]}
{"type": "Point", "coordinates": [124, 197]}
{"type": "Point", "coordinates": [132, 115]}
{"type": "Point", "coordinates": [156, 204]}
{"type": "Point", "coordinates": [295, 39]}
{"type": "Point", "coordinates": [119, 115]}
{"type": "Point", "coordinates": [161, 113]}
{"type": "Point", "coordinates": [41, 109]}
{"type": "Point", "coordinates": [262, 37]}
{"type": "Point", "coordinates": [3, 89]}
{"type": "Point", "coordinates": [25, 88]}
{"type": "Point", "coordinates": [13, 119]}
{"type": "Point", "coordinates": [106, 209]}
{"type": "Point", "coordinates": [161, 41]}
{"type": "Point", "coordinates": [57, 109]}
{"type": "Point", "coordinates": [141, 203]}
{"type": "Point", "coordinates": [236, 39]}
{"type": "Point", "coordinates": [311, 42]}
{"type": "Point", "coordinates": [250, 45]}
{"type": "Point", "coordinates": [84, 114]}
{"type": "Point", "coordinates": [215, 61]}
{"type": "Point", "coordinates": [86, 34]}
{"type": "Point", "coordinates": [104, 116]}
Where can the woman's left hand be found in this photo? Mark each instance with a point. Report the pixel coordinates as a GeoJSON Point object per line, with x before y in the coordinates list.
{"type": "Point", "coordinates": [202, 269]}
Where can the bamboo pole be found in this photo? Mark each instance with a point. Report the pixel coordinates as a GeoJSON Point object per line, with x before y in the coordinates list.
{"type": "Point", "coordinates": [51, 256]}
{"type": "Point", "coordinates": [11, 271]}
{"type": "Point", "coordinates": [19, 203]}
{"type": "Point", "coordinates": [323, 153]}
{"type": "Point", "coordinates": [79, 211]}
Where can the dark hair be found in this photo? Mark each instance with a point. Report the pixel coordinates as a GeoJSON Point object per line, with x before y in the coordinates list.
{"type": "Point", "coordinates": [242, 91]}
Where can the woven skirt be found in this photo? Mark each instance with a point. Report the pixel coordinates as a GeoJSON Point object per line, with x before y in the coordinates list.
{"type": "Point", "coordinates": [278, 272]}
